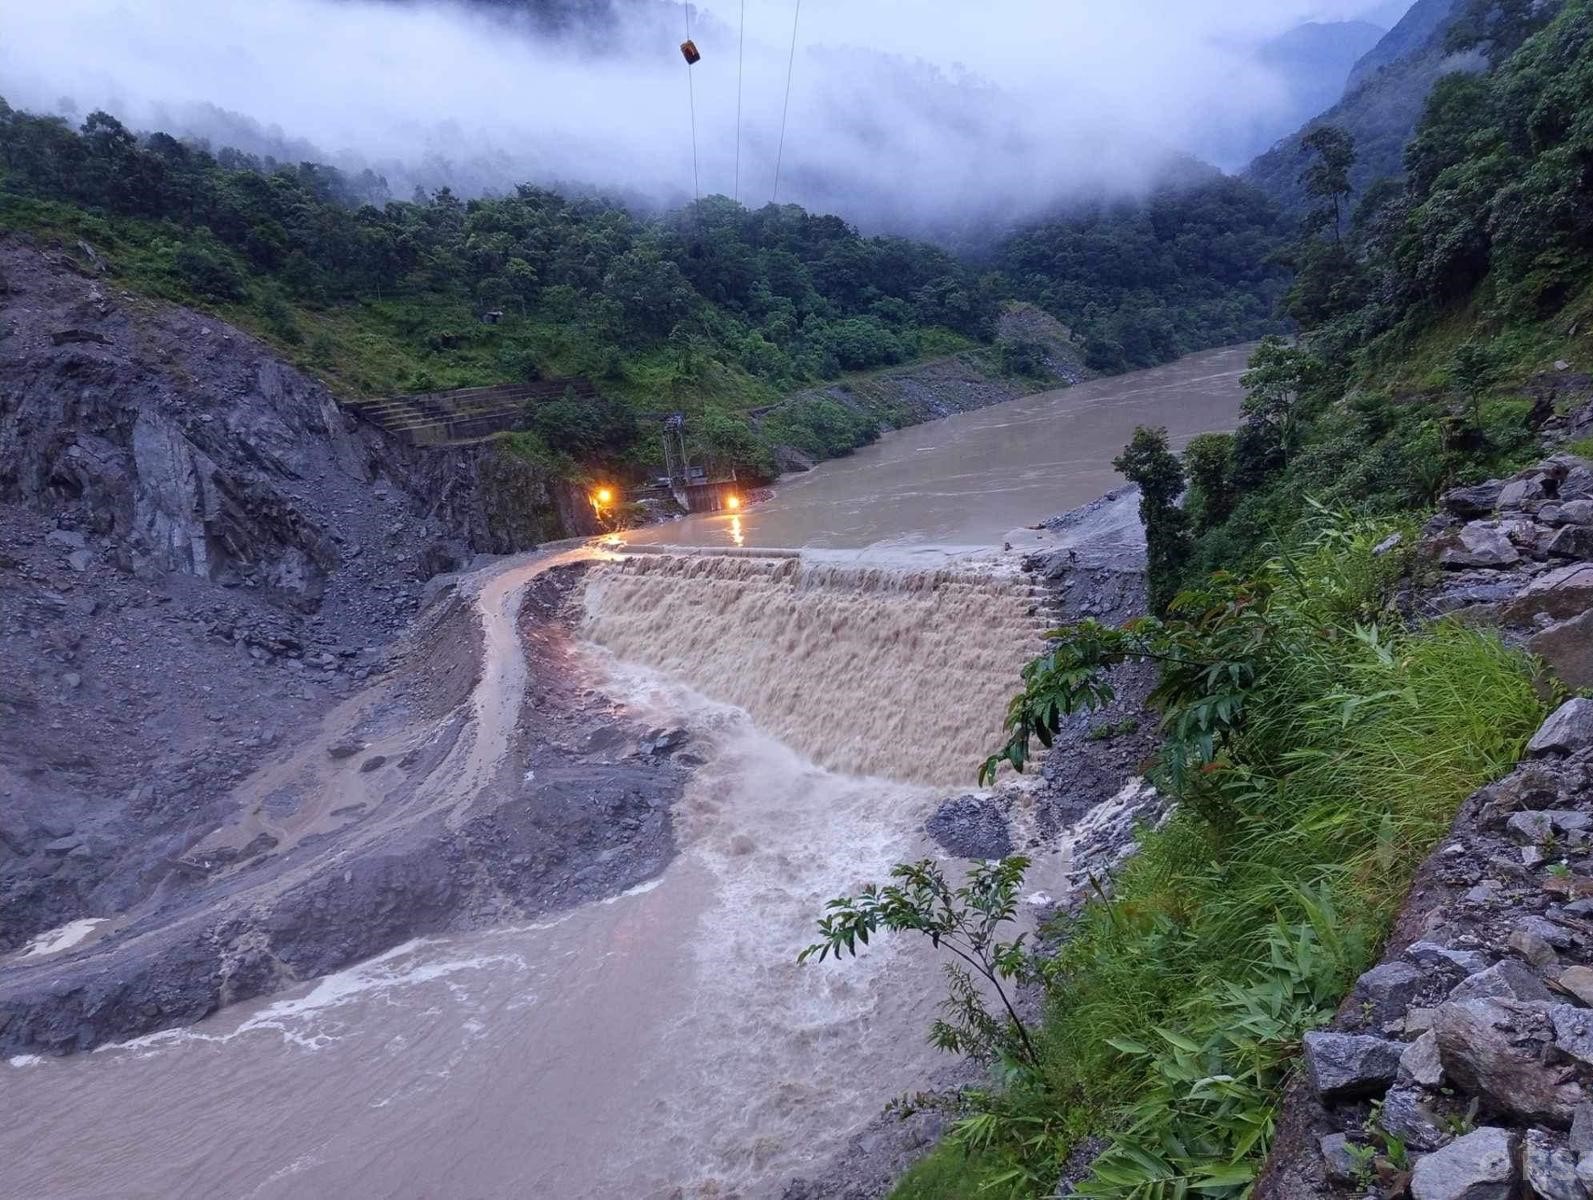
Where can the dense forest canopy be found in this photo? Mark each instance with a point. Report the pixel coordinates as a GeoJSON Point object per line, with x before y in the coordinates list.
{"type": "Point", "coordinates": [1427, 303]}
{"type": "Point", "coordinates": [714, 298]}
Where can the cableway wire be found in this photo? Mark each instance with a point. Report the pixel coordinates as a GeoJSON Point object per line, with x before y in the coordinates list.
{"type": "Point", "coordinates": [691, 93]}
{"type": "Point", "coordinates": [741, 54]}
{"type": "Point", "coordinates": [786, 110]}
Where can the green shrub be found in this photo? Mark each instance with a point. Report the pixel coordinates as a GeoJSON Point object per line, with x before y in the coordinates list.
{"type": "Point", "coordinates": [1318, 749]}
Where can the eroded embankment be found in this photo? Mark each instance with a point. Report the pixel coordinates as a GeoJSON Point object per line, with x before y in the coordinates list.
{"type": "Point", "coordinates": [484, 780]}
{"type": "Point", "coordinates": [868, 670]}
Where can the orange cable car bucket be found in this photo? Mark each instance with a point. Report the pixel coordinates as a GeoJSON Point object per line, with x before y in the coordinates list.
{"type": "Point", "coordinates": [689, 51]}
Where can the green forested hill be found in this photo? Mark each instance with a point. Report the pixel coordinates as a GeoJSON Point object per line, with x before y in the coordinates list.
{"type": "Point", "coordinates": [1381, 105]}
{"type": "Point", "coordinates": [714, 306]}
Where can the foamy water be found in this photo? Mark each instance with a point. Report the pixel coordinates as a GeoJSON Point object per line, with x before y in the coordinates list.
{"type": "Point", "coordinates": [662, 1044]}
{"type": "Point", "coordinates": [895, 673]}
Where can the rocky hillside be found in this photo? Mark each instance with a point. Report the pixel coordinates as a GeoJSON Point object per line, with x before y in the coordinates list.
{"type": "Point", "coordinates": [1461, 1066]}
{"type": "Point", "coordinates": [1381, 105]}
{"type": "Point", "coordinates": [198, 553]}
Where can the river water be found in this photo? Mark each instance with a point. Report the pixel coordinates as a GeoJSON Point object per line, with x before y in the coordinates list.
{"type": "Point", "coordinates": [663, 1045]}
{"type": "Point", "coordinates": [966, 481]}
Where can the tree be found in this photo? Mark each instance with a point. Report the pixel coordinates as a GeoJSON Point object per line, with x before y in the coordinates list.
{"type": "Point", "coordinates": [1208, 462]}
{"type": "Point", "coordinates": [1148, 462]}
{"type": "Point", "coordinates": [967, 921]}
{"type": "Point", "coordinates": [1279, 373]}
{"type": "Point", "coordinates": [1327, 177]}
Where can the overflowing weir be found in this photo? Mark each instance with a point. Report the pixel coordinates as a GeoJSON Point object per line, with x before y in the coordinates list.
{"type": "Point", "coordinates": [870, 671]}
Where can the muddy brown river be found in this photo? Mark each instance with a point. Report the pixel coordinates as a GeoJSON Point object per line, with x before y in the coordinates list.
{"type": "Point", "coordinates": [663, 1044]}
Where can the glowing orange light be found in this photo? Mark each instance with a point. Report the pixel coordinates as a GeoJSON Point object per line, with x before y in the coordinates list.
{"type": "Point", "coordinates": [604, 496]}
{"type": "Point", "coordinates": [732, 502]}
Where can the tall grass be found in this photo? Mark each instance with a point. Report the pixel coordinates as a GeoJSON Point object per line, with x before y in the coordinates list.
{"type": "Point", "coordinates": [1362, 739]}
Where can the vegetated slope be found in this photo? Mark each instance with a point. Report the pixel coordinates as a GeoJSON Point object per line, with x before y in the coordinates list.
{"type": "Point", "coordinates": [1322, 734]}
{"type": "Point", "coordinates": [1421, 22]}
{"type": "Point", "coordinates": [1381, 105]}
{"type": "Point", "coordinates": [1142, 282]}
{"type": "Point", "coordinates": [1314, 60]}
{"type": "Point", "coordinates": [715, 309]}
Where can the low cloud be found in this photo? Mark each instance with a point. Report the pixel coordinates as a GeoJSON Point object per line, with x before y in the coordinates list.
{"type": "Point", "coordinates": [906, 114]}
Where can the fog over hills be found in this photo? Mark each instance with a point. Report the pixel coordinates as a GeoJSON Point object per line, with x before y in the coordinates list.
{"type": "Point", "coordinates": [912, 115]}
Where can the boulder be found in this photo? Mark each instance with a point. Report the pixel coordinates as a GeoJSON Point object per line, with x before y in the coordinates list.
{"type": "Point", "coordinates": [1386, 991]}
{"type": "Point", "coordinates": [1434, 956]}
{"type": "Point", "coordinates": [1561, 593]}
{"type": "Point", "coordinates": [1571, 541]}
{"type": "Point", "coordinates": [1530, 828]}
{"type": "Point", "coordinates": [1479, 545]}
{"type": "Point", "coordinates": [1567, 646]}
{"type": "Point", "coordinates": [1491, 1047]}
{"type": "Point", "coordinates": [1420, 1063]}
{"type": "Point", "coordinates": [1568, 729]}
{"type": "Point", "coordinates": [1406, 1115]}
{"type": "Point", "coordinates": [972, 827]}
{"type": "Point", "coordinates": [1339, 1159]}
{"type": "Point", "coordinates": [1577, 484]}
{"type": "Point", "coordinates": [1346, 1066]}
{"type": "Point", "coordinates": [1575, 512]}
{"type": "Point", "coordinates": [347, 748]}
{"type": "Point", "coordinates": [663, 741]}
{"type": "Point", "coordinates": [1573, 1032]}
{"type": "Point", "coordinates": [1477, 501]}
{"type": "Point", "coordinates": [1582, 1128]}
{"type": "Point", "coordinates": [1520, 492]}
{"type": "Point", "coordinates": [1508, 980]}
{"type": "Point", "coordinates": [1479, 1166]}
{"type": "Point", "coordinates": [1550, 1168]}
{"type": "Point", "coordinates": [1578, 981]}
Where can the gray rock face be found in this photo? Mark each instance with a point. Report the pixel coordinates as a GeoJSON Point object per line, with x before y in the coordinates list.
{"type": "Point", "coordinates": [973, 827]}
{"type": "Point", "coordinates": [1568, 729]}
{"type": "Point", "coordinates": [1479, 1166]}
{"type": "Point", "coordinates": [1508, 980]}
{"type": "Point", "coordinates": [1479, 545]}
{"type": "Point", "coordinates": [1568, 647]}
{"type": "Point", "coordinates": [1550, 1168]}
{"type": "Point", "coordinates": [1386, 990]}
{"type": "Point", "coordinates": [1345, 1066]}
{"type": "Point", "coordinates": [1489, 1047]}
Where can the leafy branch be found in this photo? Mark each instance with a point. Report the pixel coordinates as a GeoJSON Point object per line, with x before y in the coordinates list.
{"type": "Point", "coordinates": [965, 921]}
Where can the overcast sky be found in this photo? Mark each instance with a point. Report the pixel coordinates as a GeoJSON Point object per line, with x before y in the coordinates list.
{"type": "Point", "coordinates": [902, 111]}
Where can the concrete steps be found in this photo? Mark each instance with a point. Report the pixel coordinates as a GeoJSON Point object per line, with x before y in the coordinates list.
{"type": "Point", "coordinates": [465, 414]}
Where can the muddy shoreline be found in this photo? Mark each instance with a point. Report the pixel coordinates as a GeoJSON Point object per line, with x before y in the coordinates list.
{"type": "Point", "coordinates": [370, 832]}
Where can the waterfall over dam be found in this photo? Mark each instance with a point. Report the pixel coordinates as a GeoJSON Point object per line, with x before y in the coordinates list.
{"type": "Point", "coordinates": [870, 671]}
{"type": "Point", "coordinates": [656, 1041]}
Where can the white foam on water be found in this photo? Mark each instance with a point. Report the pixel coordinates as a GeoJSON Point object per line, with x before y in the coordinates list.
{"type": "Point", "coordinates": [307, 1021]}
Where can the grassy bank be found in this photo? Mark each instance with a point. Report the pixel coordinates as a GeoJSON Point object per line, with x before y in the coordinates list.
{"type": "Point", "coordinates": [1173, 1009]}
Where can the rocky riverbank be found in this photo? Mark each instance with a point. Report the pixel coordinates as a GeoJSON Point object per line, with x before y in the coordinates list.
{"type": "Point", "coordinates": [235, 698]}
{"type": "Point", "coordinates": [1080, 812]}
{"type": "Point", "coordinates": [1461, 1066]}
